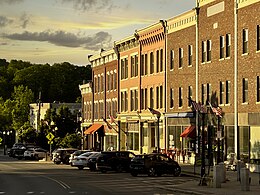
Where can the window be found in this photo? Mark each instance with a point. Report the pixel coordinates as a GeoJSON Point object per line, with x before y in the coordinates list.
{"type": "Point", "coordinates": [258, 89]}
{"type": "Point", "coordinates": [172, 59]}
{"type": "Point", "coordinates": [209, 92]}
{"type": "Point", "coordinates": [161, 97]}
{"type": "Point", "coordinates": [227, 92]}
{"type": "Point", "coordinates": [171, 98]}
{"type": "Point", "coordinates": [124, 68]}
{"type": "Point", "coordinates": [203, 93]}
{"type": "Point", "coordinates": [228, 45]}
{"type": "Point", "coordinates": [245, 90]}
{"type": "Point", "coordinates": [144, 98]}
{"type": "Point", "coordinates": [157, 60]}
{"type": "Point", "coordinates": [180, 57]}
{"type": "Point", "coordinates": [124, 101]}
{"type": "Point", "coordinates": [134, 100]}
{"type": "Point", "coordinates": [180, 97]}
{"type": "Point", "coordinates": [115, 80]}
{"type": "Point", "coordinates": [157, 97]}
{"type": "Point", "coordinates": [258, 38]}
{"type": "Point", "coordinates": [204, 52]}
{"type": "Point", "coordinates": [190, 55]}
{"type": "Point", "coordinates": [134, 66]}
{"type": "Point", "coordinates": [142, 65]}
{"type": "Point", "coordinates": [151, 63]}
{"type": "Point", "coordinates": [161, 60]}
{"type": "Point", "coordinates": [151, 97]}
{"type": "Point", "coordinates": [245, 41]}
{"type": "Point", "coordinates": [222, 47]}
{"type": "Point", "coordinates": [208, 50]}
{"type": "Point", "coordinates": [145, 65]}
{"type": "Point", "coordinates": [189, 95]}
{"type": "Point", "coordinates": [222, 93]}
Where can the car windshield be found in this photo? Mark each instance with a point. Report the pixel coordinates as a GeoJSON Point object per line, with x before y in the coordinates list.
{"type": "Point", "coordinates": [86, 154]}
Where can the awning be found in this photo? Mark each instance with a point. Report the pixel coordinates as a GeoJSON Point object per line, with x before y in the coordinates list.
{"type": "Point", "coordinates": [93, 129]}
{"type": "Point", "coordinates": [189, 132]}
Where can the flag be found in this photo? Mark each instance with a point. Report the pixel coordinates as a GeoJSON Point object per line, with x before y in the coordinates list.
{"type": "Point", "coordinates": [216, 110]}
{"type": "Point", "coordinates": [107, 123]}
{"type": "Point", "coordinates": [112, 119]}
{"type": "Point", "coordinates": [154, 111]}
{"type": "Point", "coordinates": [197, 106]}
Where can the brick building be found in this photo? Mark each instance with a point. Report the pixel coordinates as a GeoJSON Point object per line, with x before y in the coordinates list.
{"type": "Point", "coordinates": [210, 54]}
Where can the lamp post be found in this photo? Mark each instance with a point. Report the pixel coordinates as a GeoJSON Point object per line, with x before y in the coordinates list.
{"type": "Point", "coordinates": [5, 133]}
{"type": "Point", "coordinates": [158, 115]}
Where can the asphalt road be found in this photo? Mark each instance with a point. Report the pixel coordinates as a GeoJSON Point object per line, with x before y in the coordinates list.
{"type": "Point", "coordinates": [18, 177]}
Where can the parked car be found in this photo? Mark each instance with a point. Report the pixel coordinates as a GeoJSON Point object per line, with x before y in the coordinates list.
{"type": "Point", "coordinates": [17, 150]}
{"type": "Point", "coordinates": [114, 160]}
{"type": "Point", "coordinates": [82, 160]}
{"type": "Point", "coordinates": [91, 163]}
{"type": "Point", "coordinates": [35, 153]}
{"type": "Point", "coordinates": [154, 164]}
{"type": "Point", "coordinates": [77, 153]}
{"type": "Point", "coordinates": [62, 155]}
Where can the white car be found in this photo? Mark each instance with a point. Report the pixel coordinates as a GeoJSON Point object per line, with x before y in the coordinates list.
{"type": "Point", "coordinates": [35, 153]}
{"type": "Point", "coordinates": [82, 160]}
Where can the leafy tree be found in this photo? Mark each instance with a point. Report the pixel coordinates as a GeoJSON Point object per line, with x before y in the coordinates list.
{"type": "Point", "coordinates": [70, 141]}
{"type": "Point", "coordinates": [27, 133]}
{"type": "Point", "coordinates": [22, 97]}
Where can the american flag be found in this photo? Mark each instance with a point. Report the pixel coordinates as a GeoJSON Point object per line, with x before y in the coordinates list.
{"type": "Point", "coordinates": [112, 119]}
{"type": "Point", "coordinates": [155, 112]}
{"type": "Point", "coordinates": [197, 106]}
{"type": "Point", "coordinates": [216, 110]}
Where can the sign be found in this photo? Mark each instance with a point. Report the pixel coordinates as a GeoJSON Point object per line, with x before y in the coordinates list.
{"type": "Point", "coordinates": [1, 140]}
{"type": "Point", "coordinates": [50, 142]}
{"type": "Point", "coordinates": [50, 136]}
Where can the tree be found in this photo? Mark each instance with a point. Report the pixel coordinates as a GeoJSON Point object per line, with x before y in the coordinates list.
{"type": "Point", "coordinates": [22, 97]}
{"type": "Point", "coordinates": [70, 141]}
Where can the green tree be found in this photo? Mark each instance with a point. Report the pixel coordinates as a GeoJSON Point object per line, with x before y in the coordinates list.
{"type": "Point", "coordinates": [27, 133]}
{"type": "Point", "coordinates": [70, 141]}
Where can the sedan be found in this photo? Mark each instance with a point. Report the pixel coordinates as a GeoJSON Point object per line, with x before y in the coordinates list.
{"type": "Point", "coordinates": [82, 160]}
{"type": "Point", "coordinates": [35, 153]}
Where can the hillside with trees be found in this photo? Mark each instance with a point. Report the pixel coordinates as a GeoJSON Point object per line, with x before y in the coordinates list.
{"type": "Point", "coordinates": [20, 84]}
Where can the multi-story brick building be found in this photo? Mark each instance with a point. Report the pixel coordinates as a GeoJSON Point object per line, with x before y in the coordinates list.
{"type": "Point", "coordinates": [210, 54]}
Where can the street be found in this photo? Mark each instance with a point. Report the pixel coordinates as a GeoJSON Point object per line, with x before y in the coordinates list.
{"type": "Point", "coordinates": [33, 177]}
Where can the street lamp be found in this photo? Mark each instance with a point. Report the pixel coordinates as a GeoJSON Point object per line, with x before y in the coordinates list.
{"type": "Point", "coordinates": [5, 133]}
{"type": "Point", "coordinates": [158, 115]}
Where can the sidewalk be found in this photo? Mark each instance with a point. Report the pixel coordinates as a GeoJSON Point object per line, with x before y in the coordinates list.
{"type": "Point", "coordinates": [231, 186]}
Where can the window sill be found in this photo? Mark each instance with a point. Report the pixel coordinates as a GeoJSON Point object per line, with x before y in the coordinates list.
{"type": "Point", "coordinates": [245, 54]}
{"type": "Point", "coordinates": [245, 103]}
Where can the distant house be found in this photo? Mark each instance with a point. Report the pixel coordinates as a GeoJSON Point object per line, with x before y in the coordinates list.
{"type": "Point", "coordinates": [38, 111]}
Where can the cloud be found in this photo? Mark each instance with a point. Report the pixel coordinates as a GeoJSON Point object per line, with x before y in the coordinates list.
{"type": "Point", "coordinates": [86, 5]}
{"type": "Point", "coordinates": [25, 20]}
{"type": "Point", "coordinates": [11, 1]}
{"type": "Point", "coordinates": [66, 39]}
{"type": "Point", "coordinates": [4, 21]}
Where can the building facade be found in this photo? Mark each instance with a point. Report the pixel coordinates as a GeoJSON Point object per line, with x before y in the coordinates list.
{"type": "Point", "coordinates": [209, 54]}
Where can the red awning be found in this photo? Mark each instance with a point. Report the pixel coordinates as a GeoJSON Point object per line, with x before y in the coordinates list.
{"type": "Point", "coordinates": [189, 132]}
{"type": "Point", "coordinates": [93, 129]}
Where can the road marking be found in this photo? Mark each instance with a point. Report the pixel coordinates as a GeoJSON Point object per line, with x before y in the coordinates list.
{"type": "Point", "coordinates": [61, 183]}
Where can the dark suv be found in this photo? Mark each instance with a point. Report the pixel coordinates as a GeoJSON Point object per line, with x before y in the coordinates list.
{"type": "Point", "coordinates": [114, 160]}
{"type": "Point", "coordinates": [154, 164]}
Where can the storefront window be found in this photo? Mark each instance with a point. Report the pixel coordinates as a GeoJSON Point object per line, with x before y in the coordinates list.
{"type": "Point", "coordinates": [255, 143]}
{"type": "Point", "coordinates": [244, 142]}
{"type": "Point", "coordinates": [230, 144]}
{"type": "Point", "coordinates": [111, 142]}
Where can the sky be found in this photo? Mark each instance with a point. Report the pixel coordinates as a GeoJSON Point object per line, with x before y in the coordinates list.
{"type": "Point", "coordinates": [56, 31]}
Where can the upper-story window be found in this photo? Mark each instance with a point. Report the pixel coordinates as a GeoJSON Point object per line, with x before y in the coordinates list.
{"type": "Point", "coordinates": [206, 51]}
{"type": "Point", "coordinates": [257, 89]}
{"type": "Point", "coordinates": [172, 59]}
{"type": "Point", "coordinates": [151, 63]}
{"type": "Point", "coordinates": [134, 66]}
{"type": "Point", "coordinates": [190, 52]}
{"type": "Point", "coordinates": [144, 98]}
{"type": "Point", "coordinates": [205, 93]}
{"type": "Point", "coordinates": [124, 68]}
{"type": "Point", "coordinates": [245, 90]}
{"type": "Point", "coordinates": [222, 47]}
{"type": "Point", "coordinates": [157, 60]}
{"type": "Point", "coordinates": [134, 100]}
{"type": "Point", "coordinates": [171, 98]}
{"type": "Point", "coordinates": [221, 92]}
{"type": "Point", "coordinates": [228, 88]}
{"type": "Point", "coordinates": [180, 57]}
{"type": "Point", "coordinates": [190, 94]}
{"type": "Point", "coordinates": [228, 45]}
{"type": "Point", "coordinates": [245, 41]}
{"type": "Point", "coordinates": [161, 60]}
{"type": "Point", "coordinates": [180, 97]}
{"type": "Point", "coordinates": [258, 38]}
{"type": "Point", "coordinates": [151, 97]}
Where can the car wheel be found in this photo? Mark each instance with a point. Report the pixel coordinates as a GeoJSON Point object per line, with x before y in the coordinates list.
{"type": "Point", "coordinates": [151, 172]}
{"type": "Point", "coordinates": [119, 168]}
{"type": "Point", "coordinates": [103, 171]}
{"type": "Point", "coordinates": [133, 173]}
{"type": "Point", "coordinates": [80, 167]}
{"type": "Point", "coordinates": [57, 162]}
{"type": "Point", "coordinates": [177, 171]}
